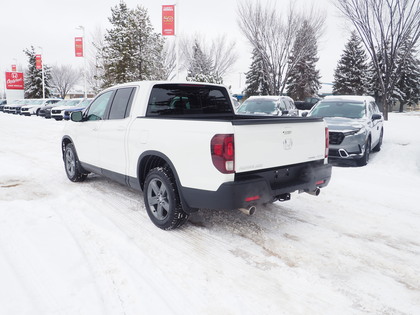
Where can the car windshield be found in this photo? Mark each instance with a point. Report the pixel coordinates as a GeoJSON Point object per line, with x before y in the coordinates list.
{"type": "Point", "coordinates": [258, 106]}
{"type": "Point", "coordinates": [85, 102]}
{"type": "Point", "coordinates": [345, 109]}
{"type": "Point", "coordinates": [59, 103]}
{"type": "Point", "coordinates": [72, 102]}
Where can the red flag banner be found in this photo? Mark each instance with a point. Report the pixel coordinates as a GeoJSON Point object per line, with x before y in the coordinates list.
{"type": "Point", "coordinates": [14, 81]}
{"type": "Point", "coordinates": [78, 46]}
{"type": "Point", "coordinates": [38, 62]}
{"type": "Point", "coordinates": [168, 20]}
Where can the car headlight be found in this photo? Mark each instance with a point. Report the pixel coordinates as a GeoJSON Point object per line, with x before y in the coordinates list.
{"type": "Point", "coordinates": [353, 132]}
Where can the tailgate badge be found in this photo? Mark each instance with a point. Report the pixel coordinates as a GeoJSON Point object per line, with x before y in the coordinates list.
{"type": "Point", "coordinates": [287, 143]}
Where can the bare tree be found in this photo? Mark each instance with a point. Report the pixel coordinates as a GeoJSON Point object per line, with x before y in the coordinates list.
{"type": "Point", "coordinates": [273, 36]}
{"type": "Point", "coordinates": [384, 27]}
{"type": "Point", "coordinates": [95, 62]}
{"type": "Point", "coordinates": [221, 52]}
{"type": "Point", "coordinates": [63, 78]}
{"type": "Point", "coordinates": [169, 60]}
{"type": "Point", "coordinates": [224, 54]}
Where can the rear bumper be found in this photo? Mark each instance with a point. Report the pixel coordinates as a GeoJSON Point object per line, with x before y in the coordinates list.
{"type": "Point", "coordinates": [256, 188]}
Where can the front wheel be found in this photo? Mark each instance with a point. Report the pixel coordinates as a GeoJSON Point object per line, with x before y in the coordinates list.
{"type": "Point", "coordinates": [72, 165]}
{"type": "Point", "coordinates": [162, 200]}
{"type": "Point", "coordinates": [377, 148]}
{"type": "Point", "coordinates": [365, 158]}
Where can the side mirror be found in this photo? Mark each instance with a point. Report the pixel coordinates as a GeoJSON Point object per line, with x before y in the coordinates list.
{"type": "Point", "coordinates": [284, 112]}
{"type": "Point", "coordinates": [76, 116]}
{"type": "Point", "coordinates": [376, 116]}
{"type": "Point", "coordinates": [304, 114]}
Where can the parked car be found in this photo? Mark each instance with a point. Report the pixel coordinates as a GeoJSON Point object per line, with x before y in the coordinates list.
{"type": "Point", "coordinates": [81, 106]}
{"type": "Point", "coordinates": [2, 104]}
{"type": "Point", "coordinates": [355, 126]}
{"type": "Point", "coordinates": [268, 105]}
{"type": "Point", "coordinates": [24, 109]}
{"type": "Point", "coordinates": [308, 103]}
{"type": "Point", "coordinates": [34, 107]}
{"type": "Point", "coordinates": [57, 112]}
{"type": "Point", "coordinates": [6, 106]}
{"type": "Point", "coordinates": [45, 111]}
{"type": "Point", "coordinates": [14, 107]}
{"type": "Point", "coordinates": [235, 102]}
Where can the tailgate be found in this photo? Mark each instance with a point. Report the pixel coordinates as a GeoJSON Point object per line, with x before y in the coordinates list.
{"type": "Point", "coordinates": [277, 143]}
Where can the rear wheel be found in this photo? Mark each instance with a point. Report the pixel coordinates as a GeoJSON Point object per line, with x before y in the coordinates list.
{"type": "Point", "coordinates": [72, 165]}
{"type": "Point", "coordinates": [162, 200]}
{"type": "Point", "coordinates": [365, 159]}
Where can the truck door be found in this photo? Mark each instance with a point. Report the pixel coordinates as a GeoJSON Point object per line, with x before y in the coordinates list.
{"type": "Point", "coordinates": [112, 133]}
{"type": "Point", "coordinates": [87, 141]}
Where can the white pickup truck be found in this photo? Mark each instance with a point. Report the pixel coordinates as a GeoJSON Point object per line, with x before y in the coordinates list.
{"type": "Point", "coordinates": [183, 145]}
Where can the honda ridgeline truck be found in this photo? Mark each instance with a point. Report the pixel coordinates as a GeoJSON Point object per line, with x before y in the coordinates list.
{"type": "Point", "coordinates": [183, 145]}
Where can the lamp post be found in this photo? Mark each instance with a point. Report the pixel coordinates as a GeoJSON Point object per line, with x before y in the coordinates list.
{"type": "Point", "coordinates": [42, 70]}
{"type": "Point", "coordinates": [84, 59]}
{"type": "Point", "coordinates": [15, 65]}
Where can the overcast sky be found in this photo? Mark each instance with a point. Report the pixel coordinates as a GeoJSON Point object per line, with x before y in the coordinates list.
{"type": "Point", "coordinates": [51, 24]}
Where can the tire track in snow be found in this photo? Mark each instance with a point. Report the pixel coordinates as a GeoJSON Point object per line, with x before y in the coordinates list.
{"type": "Point", "coordinates": [202, 245]}
{"type": "Point", "coordinates": [110, 254]}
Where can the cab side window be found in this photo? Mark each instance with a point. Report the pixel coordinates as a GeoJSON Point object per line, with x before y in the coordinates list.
{"type": "Point", "coordinates": [121, 104]}
{"type": "Point", "coordinates": [98, 107]}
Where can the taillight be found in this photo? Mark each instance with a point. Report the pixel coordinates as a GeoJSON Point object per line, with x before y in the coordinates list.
{"type": "Point", "coordinates": [327, 141]}
{"type": "Point", "coordinates": [223, 153]}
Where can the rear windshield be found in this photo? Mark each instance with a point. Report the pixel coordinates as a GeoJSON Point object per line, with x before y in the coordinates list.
{"type": "Point", "coordinates": [188, 99]}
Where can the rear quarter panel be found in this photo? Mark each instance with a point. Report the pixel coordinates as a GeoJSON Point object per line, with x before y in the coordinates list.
{"type": "Point", "coordinates": [185, 142]}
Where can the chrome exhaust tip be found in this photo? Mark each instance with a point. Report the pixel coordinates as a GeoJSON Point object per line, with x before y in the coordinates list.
{"type": "Point", "coordinates": [315, 192]}
{"type": "Point", "coordinates": [248, 211]}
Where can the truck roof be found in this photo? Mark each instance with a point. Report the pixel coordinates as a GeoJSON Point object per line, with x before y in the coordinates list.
{"type": "Point", "coordinates": [152, 83]}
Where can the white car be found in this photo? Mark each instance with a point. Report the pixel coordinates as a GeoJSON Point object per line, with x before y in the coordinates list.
{"type": "Point", "coordinates": [57, 112]}
{"type": "Point", "coordinates": [268, 105]}
{"type": "Point", "coordinates": [11, 107]}
{"type": "Point", "coordinates": [33, 107]}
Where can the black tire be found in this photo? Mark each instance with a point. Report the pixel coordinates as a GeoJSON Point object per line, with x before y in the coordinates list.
{"type": "Point", "coordinates": [162, 200]}
{"type": "Point", "coordinates": [377, 147]}
{"type": "Point", "coordinates": [72, 165]}
{"type": "Point", "coordinates": [365, 159]}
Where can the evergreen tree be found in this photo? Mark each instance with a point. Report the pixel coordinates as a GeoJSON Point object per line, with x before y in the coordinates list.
{"type": "Point", "coordinates": [33, 77]}
{"type": "Point", "coordinates": [373, 83]}
{"type": "Point", "coordinates": [257, 78]}
{"type": "Point", "coordinates": [350, 76]}
{"type": "Point", "coordinates": [132, 50]}
{"type": "Point", "coordinates": [407, 89]}
{"type": "Point", "coordinates": [407, 78]}
{"type": "Point", "coordinates": [201, 67]}
{"type": "Point", "coordinates": [303, 80]}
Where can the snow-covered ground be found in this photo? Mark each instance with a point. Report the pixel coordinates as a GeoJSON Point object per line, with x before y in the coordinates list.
{"type": "Point", "coordinates": [90, 248]}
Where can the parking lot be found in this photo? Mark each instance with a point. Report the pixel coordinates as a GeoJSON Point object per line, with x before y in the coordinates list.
{"type": "Point", "coordinates": [90, 248]}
